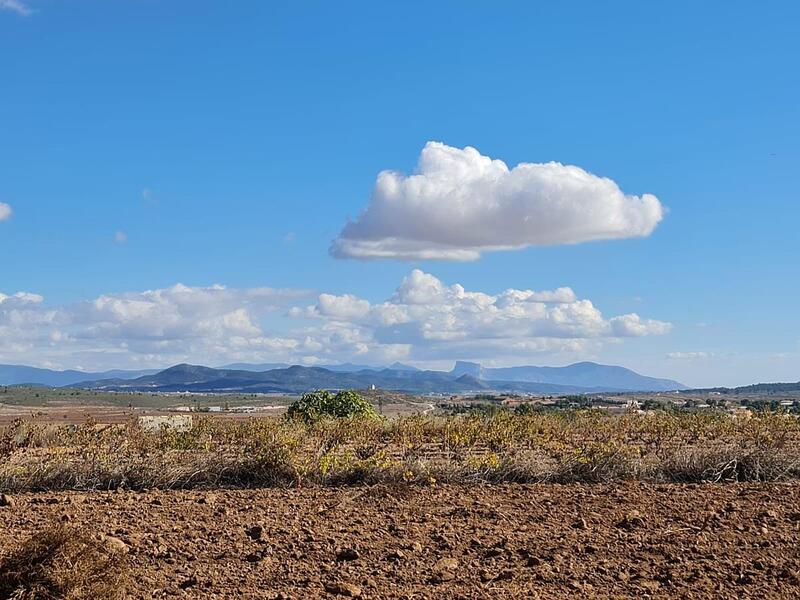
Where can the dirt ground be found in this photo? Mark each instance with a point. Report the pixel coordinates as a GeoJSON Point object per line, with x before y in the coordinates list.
{"type": "Point", "coordinates": [507, 541]}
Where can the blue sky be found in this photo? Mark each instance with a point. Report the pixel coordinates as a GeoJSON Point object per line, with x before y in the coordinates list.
{"type": "Point", "coordinates": [229, 143]}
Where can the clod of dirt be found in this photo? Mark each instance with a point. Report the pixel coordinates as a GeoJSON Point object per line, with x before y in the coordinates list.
{"type": "Point", "coordinates": [346, 554]}
{"type": "Point", "coordinates": [632, 520]}
{"type": "Point", "coordinates": [349, 590]}
{"type": "Point", "coordinates": [188, 583]}
{"type": "Point", "coordinates": [254, 557]}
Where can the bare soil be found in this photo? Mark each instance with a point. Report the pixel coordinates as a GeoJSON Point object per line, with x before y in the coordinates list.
{"type": "Point", "coordinates": [506, 541]}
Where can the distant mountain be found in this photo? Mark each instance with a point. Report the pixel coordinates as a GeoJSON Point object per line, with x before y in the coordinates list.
{"type": "Point", "coordinates": [582, 374]}
{"type": "Point", "coordinates": [338, 368]}
{"type": "Point", "coordinates": [254, 366]}
{"type": "Point", "coordinates": [21, 374]}
{"type": "Point", "coordinates": [349, 368]}
{"type": "Point", "coordinates": [398, 366]}
{"type": "Point", "coordinates": [465, 377]}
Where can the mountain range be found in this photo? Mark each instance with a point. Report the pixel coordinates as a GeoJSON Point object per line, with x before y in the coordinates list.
{"type": "Point", "coordinates": [22, 375]}
{"type": "Point", "coordinates": [465, 377]}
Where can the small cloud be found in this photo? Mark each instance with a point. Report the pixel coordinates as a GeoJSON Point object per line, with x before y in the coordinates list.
{"type": "Point", "coordinates": [289, 237]}
{"type": "Point", "coordinates": [149, 197]}
{"type": "Point", "coordinates": [120, 237]}
{"type": "Point", "coordinates": [16, 6]}
{"type": "Point", "coordinates": [689, 355]}
{"type": "Point", "coordinates": [5, 211]}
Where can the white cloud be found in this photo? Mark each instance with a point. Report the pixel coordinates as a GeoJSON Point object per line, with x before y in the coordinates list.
{"type": "Point", "coordinates": [120, 237]}
{"type": "Point", "coordinates": [689, 355]}
{"type": "Point", "coordinates": [5, 211]}
{"type": "Point", "coordinates": [424, 320]}
{"type": "Point", "coordinates": [460, 203]}
{"type": "Point", "coordinates": [431, 319]}
{"type": "Point", "coordinates": [16, 6]}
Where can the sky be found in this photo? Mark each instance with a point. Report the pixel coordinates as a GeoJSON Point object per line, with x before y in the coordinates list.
{"type": "Point", "coordinates": [318, 182]}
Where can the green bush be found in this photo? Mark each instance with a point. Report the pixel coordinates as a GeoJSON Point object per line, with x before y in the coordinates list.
{"type": "Point", "coordinates": [321, 403]}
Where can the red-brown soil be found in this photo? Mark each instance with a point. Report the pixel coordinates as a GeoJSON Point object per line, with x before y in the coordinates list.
{"type": "Point", "coordinates": [506, 541]}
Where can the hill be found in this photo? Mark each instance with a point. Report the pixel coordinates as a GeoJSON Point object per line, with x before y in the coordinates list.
{"type": "Point", "coordinates": [582, 374]}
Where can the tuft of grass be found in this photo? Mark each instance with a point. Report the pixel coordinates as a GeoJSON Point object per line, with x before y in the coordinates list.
{"type": "Point", "coordinates": [63, 563]}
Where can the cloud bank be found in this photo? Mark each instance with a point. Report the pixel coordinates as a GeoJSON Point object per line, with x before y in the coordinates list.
{"type": "Point", "coordinates": [460, 203]}
{"type": "Point", "coordinates": [5, 211]}
{"type": "Point", "coordinates": [424, 320]}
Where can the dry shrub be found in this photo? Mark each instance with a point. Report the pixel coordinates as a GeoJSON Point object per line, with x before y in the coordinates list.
{"type": "Point", "coordinates": [63, 563]}
{"type": "Point", "coordinates": [725, 463]}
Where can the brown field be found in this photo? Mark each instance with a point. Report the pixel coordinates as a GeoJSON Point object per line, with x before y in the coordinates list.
{"type": "Point", "coordinates": [555, 505]}
{"type": "Point", "coordinates": [622, 540]}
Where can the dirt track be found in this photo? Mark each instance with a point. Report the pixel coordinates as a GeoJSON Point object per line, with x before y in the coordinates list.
{"type": "Point", "coordinates": [510, 541]}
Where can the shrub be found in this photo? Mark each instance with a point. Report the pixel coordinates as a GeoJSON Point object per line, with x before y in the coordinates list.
{"type": "Point", "coordinates": [316, 405]}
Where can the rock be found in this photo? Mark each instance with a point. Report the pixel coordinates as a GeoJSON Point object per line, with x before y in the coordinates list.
{"type": "Point", "coordinates": [349, 590]}
{"type": "Point", "coordinates": [444, 569]}
{"type": "Point", "coordinates": [114, 544]}
{"type": "Point", "coordinates": [6, 501]}
{"type": "Point", "coordinates": [397, 555]}
{"type": "Point", "coordinates": [207, 499]}
{"type": "Point", "coordinates": [446, 564]}
{"type": "Point", "coordinates": [345, 554]}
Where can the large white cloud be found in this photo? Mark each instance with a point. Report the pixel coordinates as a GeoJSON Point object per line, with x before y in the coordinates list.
{"type": "Point", "coordinates": [460, 203]}
{"type": "Point", "coordinates": [5, 211]}
{"type": "Point", "coordinates": [424, 320]}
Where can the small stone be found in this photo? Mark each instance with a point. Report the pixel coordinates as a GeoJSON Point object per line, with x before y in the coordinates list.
{"type": "Point", "coordinates": [446, 564]}
{"type": "Point", "coordinates": [349, 590]}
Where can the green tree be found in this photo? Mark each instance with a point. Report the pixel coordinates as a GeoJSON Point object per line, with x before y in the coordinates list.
{"type": "Point", "coordinates": [321, 403]}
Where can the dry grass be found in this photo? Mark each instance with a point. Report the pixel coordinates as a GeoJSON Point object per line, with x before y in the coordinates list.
{"type": "Point", "coordinates": [63, 563]}
{"type": "Point", "coordinates": [585, 446]}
